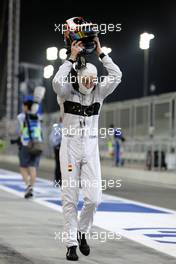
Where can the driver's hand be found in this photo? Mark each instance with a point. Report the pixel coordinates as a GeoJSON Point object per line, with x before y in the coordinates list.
{"type": "Point", "coordinates": [76, 47]}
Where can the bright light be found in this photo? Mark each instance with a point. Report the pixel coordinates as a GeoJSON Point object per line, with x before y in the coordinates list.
{"type": "Point", "coordinates": [144, 42]}
{"type": "Point", "coordinates": [48, 71]}
{"type": "Point", "coordinates": [106, 50]}
{"type": "Point", "coordinates": [62, 54]}
{"type": "Point", "coordinates": [51, 53]}
{"type": "Point", "coordinates": [152, 87]}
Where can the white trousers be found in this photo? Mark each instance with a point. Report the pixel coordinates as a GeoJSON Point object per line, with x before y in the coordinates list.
{"type": "Point", "coordinates": [80, 166]}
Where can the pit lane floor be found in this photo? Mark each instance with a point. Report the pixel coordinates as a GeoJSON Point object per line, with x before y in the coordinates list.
{"type": "Point", "coordinates": [27, 229]}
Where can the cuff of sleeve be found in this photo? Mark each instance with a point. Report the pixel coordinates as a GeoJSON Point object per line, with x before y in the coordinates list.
{"type": "Point", "coordinates": [102, 55]}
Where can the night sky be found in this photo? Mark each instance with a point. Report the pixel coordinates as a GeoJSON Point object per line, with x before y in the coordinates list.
{"type": "Point", "coordinates": [158, 17]}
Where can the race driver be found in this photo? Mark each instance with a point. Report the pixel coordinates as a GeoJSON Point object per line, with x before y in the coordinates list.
{"type": "Point", "coordinates": [81, 102]}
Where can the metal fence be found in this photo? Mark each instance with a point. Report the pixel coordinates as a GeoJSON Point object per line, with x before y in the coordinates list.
{"type": "Point", "coordinates": [147, 124]}
{"type": "Point", "coordinates": [137, 117]}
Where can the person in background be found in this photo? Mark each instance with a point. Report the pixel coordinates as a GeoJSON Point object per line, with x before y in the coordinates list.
{"type": "Point", "coordinates": [28, 162]}
{"type": "Point", "coordinates": [55, 138]}
{"type": "Point", "coordinates": [149, 158]}
{"type": "Point", "coordinates": [118, 149]}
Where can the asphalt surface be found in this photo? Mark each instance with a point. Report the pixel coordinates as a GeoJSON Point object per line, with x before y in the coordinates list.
{"type": "Point", "coordinates": [27, 229]}
{"type": "Point", "coordinates": [137, 191]}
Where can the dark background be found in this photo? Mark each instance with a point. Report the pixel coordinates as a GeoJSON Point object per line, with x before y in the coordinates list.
{"type": "Point", "coordinates": [37, 33]}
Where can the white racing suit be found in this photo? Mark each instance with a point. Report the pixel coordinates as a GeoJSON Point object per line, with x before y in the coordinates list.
{"type": "Point", "coordinates": [79, 153]}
